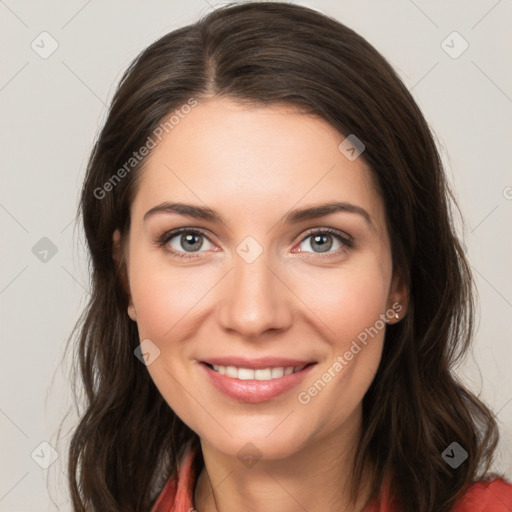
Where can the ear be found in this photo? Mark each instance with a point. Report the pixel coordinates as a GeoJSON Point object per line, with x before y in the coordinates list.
{"type": "Point", "coordinates": [398, 299]}
{"type": "Point", "coordinates": [118, 254]}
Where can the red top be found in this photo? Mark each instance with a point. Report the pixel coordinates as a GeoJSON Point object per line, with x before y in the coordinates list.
{"type": "Point", "coordinates": [484, 496]}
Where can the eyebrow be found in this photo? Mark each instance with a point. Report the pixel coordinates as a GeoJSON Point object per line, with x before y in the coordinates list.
{"type": "Point", "coordinates": [292, 217]}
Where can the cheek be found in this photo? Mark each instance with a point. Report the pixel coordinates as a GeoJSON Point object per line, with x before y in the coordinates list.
{"type": "Point", "coordinates": [350, 304]}
{"type": "Point", "coordinates": [345, 300]}
{"type": "Point", "coordinates": [164, 297]}
{"type": "Point", "coordinates": [166, 301]}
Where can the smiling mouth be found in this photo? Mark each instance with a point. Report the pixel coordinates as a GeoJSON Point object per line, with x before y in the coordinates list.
{"type": "Point", "coordinates": [269, 373]}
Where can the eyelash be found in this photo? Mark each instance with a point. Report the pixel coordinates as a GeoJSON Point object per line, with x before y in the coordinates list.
{"type": "Point", "coordinates": [346, 240]}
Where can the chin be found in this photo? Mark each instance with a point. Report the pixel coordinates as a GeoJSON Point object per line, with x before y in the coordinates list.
{"type": "Point", "coordinates": [258, 445]}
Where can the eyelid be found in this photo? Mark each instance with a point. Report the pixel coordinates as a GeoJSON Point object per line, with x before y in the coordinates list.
{"type": "Point", "coordinates": [331, 231]}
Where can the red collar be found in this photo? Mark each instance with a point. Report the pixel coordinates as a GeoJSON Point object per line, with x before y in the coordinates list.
{"type": "Point", "coordinates": [483, 496]}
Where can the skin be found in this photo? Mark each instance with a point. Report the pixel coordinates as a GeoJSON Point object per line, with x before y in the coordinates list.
{"type": "Point", "coordinates": [253, 165]}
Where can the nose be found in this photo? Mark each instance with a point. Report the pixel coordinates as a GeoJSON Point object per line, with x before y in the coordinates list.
{"type": "Point", "coordinates": [255, 299]}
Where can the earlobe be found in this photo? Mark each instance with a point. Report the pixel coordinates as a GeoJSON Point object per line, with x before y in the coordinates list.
{"type": "Point", "coordinates": [398, 298]}
{"type": "Point", "coordinates": [132, 313]}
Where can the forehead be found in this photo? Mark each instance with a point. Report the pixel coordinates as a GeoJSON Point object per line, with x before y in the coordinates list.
{"type": "Point", "coordinates": [253, 162]}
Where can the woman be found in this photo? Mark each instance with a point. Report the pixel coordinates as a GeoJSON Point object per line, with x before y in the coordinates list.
{"type": "Point", "coordinates": [229, 363]}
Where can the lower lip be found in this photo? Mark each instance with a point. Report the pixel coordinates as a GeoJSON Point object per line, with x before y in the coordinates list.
{"type": "Point", "coordinates": [254, 391]}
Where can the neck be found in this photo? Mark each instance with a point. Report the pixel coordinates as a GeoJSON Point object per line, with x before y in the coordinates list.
{"type": "Point", "coordinates": [316, 478]}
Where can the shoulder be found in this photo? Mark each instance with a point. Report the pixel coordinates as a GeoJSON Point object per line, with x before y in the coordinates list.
{"type": "Point", "coordinates": [486, 496]}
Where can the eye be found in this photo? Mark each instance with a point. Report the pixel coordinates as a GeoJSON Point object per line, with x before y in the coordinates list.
{"type": "Point", "coordinates": [321, 241]}
{"type": "Point", "coordinates": [184, 242]}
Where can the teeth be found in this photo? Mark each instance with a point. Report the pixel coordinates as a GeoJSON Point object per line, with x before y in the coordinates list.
{"type": "Point", "coordinates": [277, 372]}
{"type": "Point", "coordinates": [263, 374]}
{"type": "Point", "coordinates": [245, 373]}
{"type": "Point", "coordinates": [258, 374]}
{"type": "Point", "coordinates": [231, 371]}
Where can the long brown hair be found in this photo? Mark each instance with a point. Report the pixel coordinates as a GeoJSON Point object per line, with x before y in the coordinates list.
{"type": "Point", "coordinates": [128, 440]}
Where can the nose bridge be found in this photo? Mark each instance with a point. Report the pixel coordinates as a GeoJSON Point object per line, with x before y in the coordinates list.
{"type": "Point", "coordinates": [254, 299]}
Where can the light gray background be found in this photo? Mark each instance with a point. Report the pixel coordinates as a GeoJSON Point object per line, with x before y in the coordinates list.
{"type": "Point", "coordinates": [52, 110]}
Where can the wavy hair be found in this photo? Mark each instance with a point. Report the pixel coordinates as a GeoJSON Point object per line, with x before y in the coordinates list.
{"type": "Point", "coordinates": [128, 440]}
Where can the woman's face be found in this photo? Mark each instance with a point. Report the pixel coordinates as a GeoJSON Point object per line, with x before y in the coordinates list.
{"type": "Point", "coordinates": [258, 285]}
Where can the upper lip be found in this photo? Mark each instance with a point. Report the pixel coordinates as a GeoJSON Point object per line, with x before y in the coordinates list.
{"type": "Point", "coordinates": [262, 362]}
